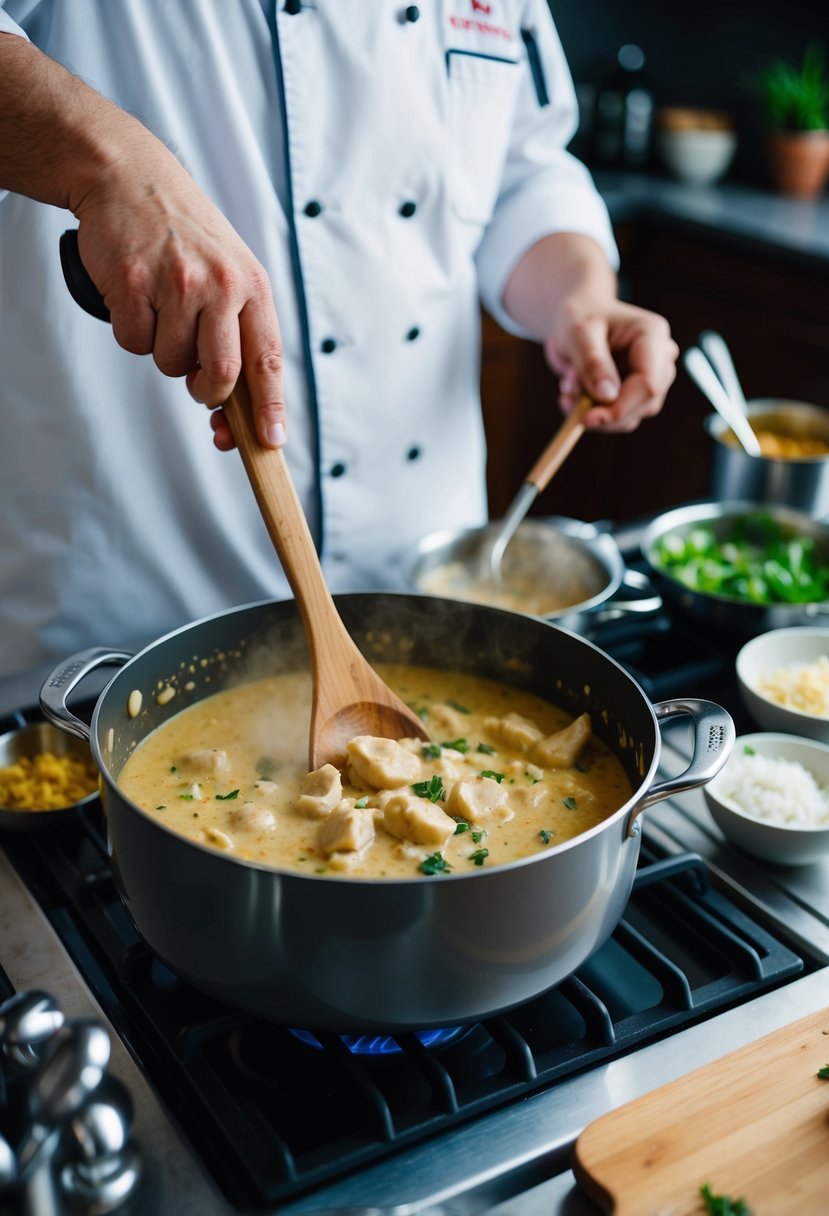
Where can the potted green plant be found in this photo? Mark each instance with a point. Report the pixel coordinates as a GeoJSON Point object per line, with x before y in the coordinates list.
{"type": "Point", "coordinates": [797, 103]}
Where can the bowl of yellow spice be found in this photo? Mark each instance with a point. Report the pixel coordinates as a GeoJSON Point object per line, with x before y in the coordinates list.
{"type": "Point", "coordinates": [44, 773]}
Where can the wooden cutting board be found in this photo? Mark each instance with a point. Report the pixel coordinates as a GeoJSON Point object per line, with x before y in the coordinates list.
{"type": "Point", "coordinates": [754, 1125]}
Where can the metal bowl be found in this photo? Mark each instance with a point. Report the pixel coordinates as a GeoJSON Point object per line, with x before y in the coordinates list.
{"type": "Point", "coordinates": [802, 482]}
{"type": "Point", "coordinates": [574, 566]}
{"type": "Point", "coordinates": [31, 740]}
{"type": "Point", "coordinates": [740, 616]}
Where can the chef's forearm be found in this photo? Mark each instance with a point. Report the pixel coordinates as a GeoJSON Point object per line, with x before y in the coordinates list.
{"type": "Point", "coordinates": [554, 273]}
{"type": "Point", "coordinates": [58, 136]}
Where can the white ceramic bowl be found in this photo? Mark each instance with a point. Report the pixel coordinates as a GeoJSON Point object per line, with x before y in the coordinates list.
{"type": "Point", "coordinates": [781, 843]}
{"type": "Point", "coordinates": [700, 156]}
{"type": "Point", "coordinates": [799, 646]}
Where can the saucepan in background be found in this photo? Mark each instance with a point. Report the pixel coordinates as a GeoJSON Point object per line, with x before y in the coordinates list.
{"type": "Point", "coordinates": [802, 483]}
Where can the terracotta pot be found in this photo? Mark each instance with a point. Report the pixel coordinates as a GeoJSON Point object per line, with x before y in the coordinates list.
{"type": "Point", "coordinates": [799, 162]}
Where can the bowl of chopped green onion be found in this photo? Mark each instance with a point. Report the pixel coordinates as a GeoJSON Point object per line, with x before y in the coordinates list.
{"type": "Point", "coordinates": [743, 566]}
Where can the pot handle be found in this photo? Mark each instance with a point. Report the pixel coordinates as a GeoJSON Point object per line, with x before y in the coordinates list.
{"type": "Point", "coordinates": [714, 736]}
{"type": "Point", "coordinates": [645, 599]}
{"type": "Point", "coordinates": [59, 684]}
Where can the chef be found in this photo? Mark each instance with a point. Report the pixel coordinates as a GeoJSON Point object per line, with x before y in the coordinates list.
{"type": "Point", "coordinates": [319, 194]}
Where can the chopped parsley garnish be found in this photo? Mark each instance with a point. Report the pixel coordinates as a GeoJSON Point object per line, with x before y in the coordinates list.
{"type": "Point", "coordinates": [721, 1205]}
{"type": "Point", "coordinates": [422, 712]}
{"type": "Point", "coordinates": [486, 749]}
{"type": "Point", "coordinates": [172, 768]}
{"type": "Point", "coordinates": [462, 709]}
{"type": "Point", "coordinates": [570, 803]}
{"type": "Point", "coordinates": [457, 745]}
{"type": "Point", "coordinates": [436, 864]}
{"type": "Point", "coordinates": [748, 750]}
{"type": "Point", "coordinates": [479, 835]}
{"type": "Point", "coordinates": [361, 802]}
{"type": "Point", "coordinates": [432, 789]}
{"type": "Point", "coordinates": [186, 797]}
{"type": "Point", "coordinates": [479, 857]}
{"type": "Point", "coordinates": [461, 827]}
{"type": "Point", "coordinates": [431, 751]}
{"type": "Point", "coordinates": [227, 797]}
{"type": "Point", "coordinates": [823, 1073]}
{"type": "Point", "coordinates": [161, 808]}
{"type": "Point", "coordinates": [488, 772]}
{"type": "Point", "coordinates": [546, 835]}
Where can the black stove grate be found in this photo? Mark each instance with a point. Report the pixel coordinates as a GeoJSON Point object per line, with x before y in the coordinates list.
{"type": "Point", "coordinates": [273, 1116]}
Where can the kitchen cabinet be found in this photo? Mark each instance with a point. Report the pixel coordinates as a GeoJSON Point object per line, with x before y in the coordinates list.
{"type": "Point", "coordinates": [774, 312]}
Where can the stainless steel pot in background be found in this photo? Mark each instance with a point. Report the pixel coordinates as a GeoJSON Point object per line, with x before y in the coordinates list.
{"type": "Point", "coordinates": [802, 483]}
{"type": "Point", "coordinates": [570, 557]}
{"type": "Point", "coordinates": [371, 954]}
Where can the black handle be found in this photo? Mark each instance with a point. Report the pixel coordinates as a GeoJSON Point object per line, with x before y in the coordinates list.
{"type": "Point", "coordinates": [81, 287]}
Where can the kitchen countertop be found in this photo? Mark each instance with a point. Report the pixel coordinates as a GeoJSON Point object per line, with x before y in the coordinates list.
{"type": "Point", "coordinates": [743, 217]}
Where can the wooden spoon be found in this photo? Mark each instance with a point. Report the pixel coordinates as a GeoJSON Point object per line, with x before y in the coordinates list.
{"type": "Point", "coordinates": [349, 698]}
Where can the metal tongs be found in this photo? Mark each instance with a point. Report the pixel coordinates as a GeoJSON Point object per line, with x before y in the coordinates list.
{"type": "Point", "coordinates": [712, 369]}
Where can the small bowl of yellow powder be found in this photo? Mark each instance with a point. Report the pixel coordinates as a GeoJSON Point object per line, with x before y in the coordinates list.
{"type": "Point", "coordinates": [44, 773]}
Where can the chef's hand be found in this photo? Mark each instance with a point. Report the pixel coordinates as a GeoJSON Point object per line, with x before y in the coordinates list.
{"type": "Point", "coordinates": [563, 292]}
{"type": "Point", "coordinates": [624, 358]}
{"type": "Point", "coordinates": [180, 284]}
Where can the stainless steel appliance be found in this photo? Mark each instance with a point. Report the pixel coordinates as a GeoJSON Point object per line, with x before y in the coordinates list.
{"type": "Point", "coordinates": [235, 1115]}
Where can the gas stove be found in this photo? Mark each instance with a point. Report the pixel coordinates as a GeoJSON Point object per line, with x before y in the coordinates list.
{"type": "Point", "coordinates": [230, 1114]}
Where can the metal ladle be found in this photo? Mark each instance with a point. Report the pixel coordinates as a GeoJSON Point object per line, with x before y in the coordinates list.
{"type": "Point", "coordinates": [702, 372]}
{"type": "Point", "coordinates": [538, 478]}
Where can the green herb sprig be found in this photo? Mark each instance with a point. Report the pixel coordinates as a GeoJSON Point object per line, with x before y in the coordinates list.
{"type": "Point", "coordinates": [722, 1205]}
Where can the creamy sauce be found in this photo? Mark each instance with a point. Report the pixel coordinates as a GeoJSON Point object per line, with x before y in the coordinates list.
{"type": "Point", "coordinates": [507, 775]}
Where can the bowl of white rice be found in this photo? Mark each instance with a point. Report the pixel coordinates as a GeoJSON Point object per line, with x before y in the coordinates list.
{"type": "Point", "coordinates": [771, 798]}
{"type": "Point", "coordinates": [783, 677]}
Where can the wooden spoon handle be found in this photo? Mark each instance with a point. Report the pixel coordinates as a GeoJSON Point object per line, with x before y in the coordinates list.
{"type": "Point", "coordinates": [284, 517]}
{"type": "Point", "coordinates": [560, 446]}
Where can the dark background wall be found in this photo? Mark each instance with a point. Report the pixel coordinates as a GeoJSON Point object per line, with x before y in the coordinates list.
{"type": "Point", "coordinates": [698, 53]}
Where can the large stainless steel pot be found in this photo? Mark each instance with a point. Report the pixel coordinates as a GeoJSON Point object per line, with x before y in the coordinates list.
{"type": "Point", "coordinates": [565, 552]}
{"type": "Point", "coordinates": [357, 954]}
{"type": "Point", "coordinates": [739, 617]}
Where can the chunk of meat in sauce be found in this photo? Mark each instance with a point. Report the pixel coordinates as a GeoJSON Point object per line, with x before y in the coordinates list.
{"type": "Point", "coordinates": [410, 818]}
{"type": "Point", "coordinates": [383, 763]}
{"type": "Point", "coordinates": [348, 829]}
{"type": "Point", "coordinates": [561, 750]}
{"type": "Point", "coordinates": [479, 800]}
{"type": "Point", "coordinates": [251, 817]}
{"type": "Point", "coordinates": [513, 731]}
{"type": "Point", "coordinates": [204, 762]}
{"type": "Point", "coordinates": [321, 791]}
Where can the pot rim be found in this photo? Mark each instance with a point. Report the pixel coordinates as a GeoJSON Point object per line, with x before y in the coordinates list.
{"type": "Point", "coordinates": [121, 678]}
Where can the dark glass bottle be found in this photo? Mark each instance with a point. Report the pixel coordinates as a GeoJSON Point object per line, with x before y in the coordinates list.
{"type": "Point", "coordinates": [624, 114]}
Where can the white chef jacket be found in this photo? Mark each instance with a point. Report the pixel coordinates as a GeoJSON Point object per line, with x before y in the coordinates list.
{"type": "Point", "coordinates": [389, 165]}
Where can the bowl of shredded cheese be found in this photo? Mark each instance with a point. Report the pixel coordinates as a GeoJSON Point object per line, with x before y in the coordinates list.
{"type": "Point", "coordinates": [44, 773]}
{"type": "Point", "coordinates": [783, 677]}
{"type": "Point", "coordinates": [771, 798]}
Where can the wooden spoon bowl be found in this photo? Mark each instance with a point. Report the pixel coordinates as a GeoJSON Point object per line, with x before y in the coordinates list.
{"type": "Point", "coordinates": [348, 698]}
